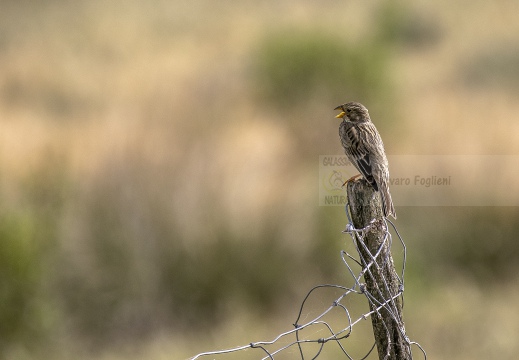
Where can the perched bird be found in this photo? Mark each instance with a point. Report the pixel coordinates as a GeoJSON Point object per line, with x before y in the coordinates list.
{"type": "Point", "coordinates": [363, 146]}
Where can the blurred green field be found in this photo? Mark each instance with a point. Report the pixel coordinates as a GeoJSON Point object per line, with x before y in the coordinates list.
{"type": "Point", "coordinates": [159, 169]}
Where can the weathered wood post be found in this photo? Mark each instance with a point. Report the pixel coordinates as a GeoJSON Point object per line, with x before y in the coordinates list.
{"type": "Point", "coordinates": [383, 286]}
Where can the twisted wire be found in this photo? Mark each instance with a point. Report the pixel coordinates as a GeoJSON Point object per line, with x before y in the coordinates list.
{"type": "Point", "coordinates": [270, 349]}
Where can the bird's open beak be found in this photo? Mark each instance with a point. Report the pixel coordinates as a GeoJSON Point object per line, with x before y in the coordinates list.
{"type": "Point", "coordinates": [342, 111]}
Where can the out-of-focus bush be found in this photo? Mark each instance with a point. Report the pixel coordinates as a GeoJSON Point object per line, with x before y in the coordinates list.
{"type": "Point", "coordinates": [482, 243]}
{"type": "Point", "coordinates": [399, 24]}
{"type": "Point", "coordinates": [496, 66]}
{"type": "Point", "coordinates": [28, 233]}
{"type": "Point", "coordinates": [294, 67]}
{"type": "Point", "coordinates": [20, 268]}
{"type": "Point", "coordinates": [133, 271]}
{"type": "Point", "coordinates": [478, 243]}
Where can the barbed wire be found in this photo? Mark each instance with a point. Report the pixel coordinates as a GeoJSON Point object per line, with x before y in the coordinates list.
{"type": "Point", "coordinates": [324, 321]}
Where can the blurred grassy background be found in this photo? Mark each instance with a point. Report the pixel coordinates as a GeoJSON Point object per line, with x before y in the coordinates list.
{"type": "Point", "coordinates": [158, 163]}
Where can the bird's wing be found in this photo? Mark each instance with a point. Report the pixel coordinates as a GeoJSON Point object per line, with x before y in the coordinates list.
{"type": "Point", "coordinates": [359, 155]}
{"type": "Point", "coordinates": [364, 166]}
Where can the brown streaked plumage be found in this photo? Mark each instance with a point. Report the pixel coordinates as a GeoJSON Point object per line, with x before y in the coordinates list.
{"type": "Point", "coordinates": [364, 147]}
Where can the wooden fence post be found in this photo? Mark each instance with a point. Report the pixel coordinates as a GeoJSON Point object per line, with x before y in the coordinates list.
{"type": "Point", "coordinates": [383, 286]}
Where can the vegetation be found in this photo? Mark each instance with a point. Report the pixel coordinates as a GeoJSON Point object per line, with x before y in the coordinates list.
{"type": "Point", "coordinates": [295, 67]}
{"type": "Point", "coordinates": [158, 164]}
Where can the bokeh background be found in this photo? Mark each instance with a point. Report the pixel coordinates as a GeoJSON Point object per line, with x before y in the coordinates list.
{"type": "Point", "coordinates": [159, 169]}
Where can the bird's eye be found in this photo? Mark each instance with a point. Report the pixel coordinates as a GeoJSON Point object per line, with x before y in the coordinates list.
{"type": "Point", "coordinates": [348, 110]}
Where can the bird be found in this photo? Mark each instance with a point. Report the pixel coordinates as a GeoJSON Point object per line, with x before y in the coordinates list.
{"type": "Point", "coordinates": [364, 148]}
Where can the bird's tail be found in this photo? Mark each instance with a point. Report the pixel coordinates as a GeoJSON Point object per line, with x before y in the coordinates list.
{"type": "Point", "coordinates": [387, 202]}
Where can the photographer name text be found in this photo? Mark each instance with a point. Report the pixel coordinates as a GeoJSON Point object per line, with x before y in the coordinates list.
{"type": "Point", "coordinates": [418, 180]}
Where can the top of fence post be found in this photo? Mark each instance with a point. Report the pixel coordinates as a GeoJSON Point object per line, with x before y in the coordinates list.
{"type": "Point", "coordinates": [383, 286]}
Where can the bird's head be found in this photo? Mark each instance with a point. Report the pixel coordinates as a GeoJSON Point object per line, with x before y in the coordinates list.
{"type": "Point", "coordinates": [353, 111]}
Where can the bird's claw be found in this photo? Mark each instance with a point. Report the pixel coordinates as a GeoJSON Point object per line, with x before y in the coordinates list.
{"type": "Point", "coordinates": [350, 179]}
